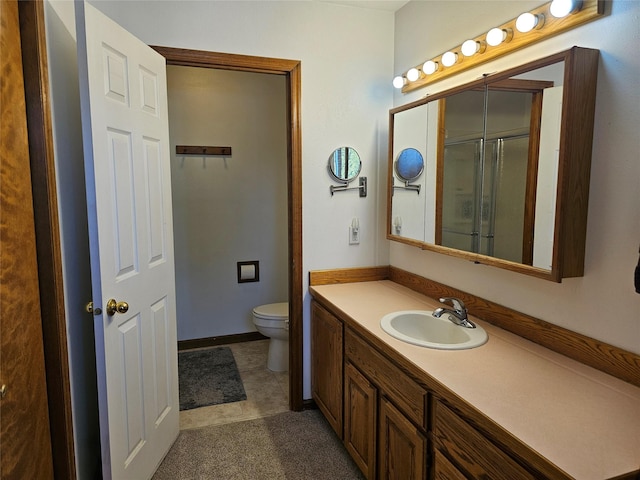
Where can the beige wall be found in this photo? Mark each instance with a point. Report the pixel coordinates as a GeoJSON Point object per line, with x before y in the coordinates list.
{"type": "Point", "coordinates": [227, 209]}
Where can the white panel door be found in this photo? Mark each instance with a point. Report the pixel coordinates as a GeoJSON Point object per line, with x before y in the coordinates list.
{"type": "Point", "coordinates": [126, 142]}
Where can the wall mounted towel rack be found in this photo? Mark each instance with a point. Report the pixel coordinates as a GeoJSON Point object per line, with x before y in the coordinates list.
{"type": "Point", "coordinates": [202, 150]}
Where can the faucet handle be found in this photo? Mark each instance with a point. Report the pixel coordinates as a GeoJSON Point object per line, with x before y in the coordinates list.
{"type": "Point", "coordinates": [456, 302]}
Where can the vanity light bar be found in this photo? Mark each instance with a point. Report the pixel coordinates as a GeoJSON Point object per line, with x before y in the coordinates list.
{"type": "Point", "coordinates": [528, 28]}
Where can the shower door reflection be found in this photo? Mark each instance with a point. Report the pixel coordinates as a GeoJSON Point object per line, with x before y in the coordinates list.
{"type": "Point", "coordinates": [488, 173]}
{"type": "Point", "coordinates": [483, 197]}
{"type": "Point", "coordinates": [461, 191]}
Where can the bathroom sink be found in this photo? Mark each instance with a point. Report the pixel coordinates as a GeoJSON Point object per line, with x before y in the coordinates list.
{"type": "Point", "coordinates": [420, 327]}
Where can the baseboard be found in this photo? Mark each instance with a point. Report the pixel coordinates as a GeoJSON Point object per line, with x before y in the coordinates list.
{"type": "Point", "coordinates": [222, 340]}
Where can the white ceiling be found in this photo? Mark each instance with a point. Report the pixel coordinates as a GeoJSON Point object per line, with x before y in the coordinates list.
{"type": "Point", "coordinates": [389, 5]}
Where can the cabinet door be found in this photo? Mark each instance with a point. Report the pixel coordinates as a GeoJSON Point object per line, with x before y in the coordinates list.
{"type": "Point", "coordinates": [402, 448]}
{"type": "Point", "coordinates": [326, 365]}
{"type": "Point", "coordinates": [360, 401]}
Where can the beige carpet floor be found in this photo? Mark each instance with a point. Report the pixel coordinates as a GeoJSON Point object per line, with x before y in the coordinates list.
{"type": "Point", "coordinates": [286, 446]}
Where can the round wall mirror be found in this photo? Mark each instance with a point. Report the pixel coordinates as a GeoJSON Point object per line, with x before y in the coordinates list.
{"type": "Point", "coordinates": [344, 164]}
{"type": "Point", "coordinates": [409, 165]}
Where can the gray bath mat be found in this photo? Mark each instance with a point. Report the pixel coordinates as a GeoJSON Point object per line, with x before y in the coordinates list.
{"type": "Point", "coordinates": [208, 377]}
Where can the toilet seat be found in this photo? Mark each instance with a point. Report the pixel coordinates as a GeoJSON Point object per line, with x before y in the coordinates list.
{"type": "Point", "coordinates": [272, 311]}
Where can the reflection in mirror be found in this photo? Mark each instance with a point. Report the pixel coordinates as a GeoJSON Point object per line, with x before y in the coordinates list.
{"type": "Point", "coordinates": [492, 154]}
{"type": "Point", "coordinates": [489, 158]}
{"type": "Point", "coordinates": [489, 165]}
{"type": "Point", "coordinates": [344, 164]}
{"type": "Point", "coordinates": [409, 165]}
{"type": "Point", "coordinates": [408, 209]}
{"type": "Point", "coordinates": [413, 216]}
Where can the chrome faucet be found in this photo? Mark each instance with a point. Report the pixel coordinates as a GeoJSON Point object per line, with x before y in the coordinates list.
{"type": "Point", "coordinates": [458, 315]}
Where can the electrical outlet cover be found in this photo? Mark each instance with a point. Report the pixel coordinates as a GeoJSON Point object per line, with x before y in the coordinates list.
{"type": "Point", "coordinates": [354, 236]}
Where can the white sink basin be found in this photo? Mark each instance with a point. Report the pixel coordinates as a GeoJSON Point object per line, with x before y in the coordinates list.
{"type": "Point", "coordinates": [420, 327]}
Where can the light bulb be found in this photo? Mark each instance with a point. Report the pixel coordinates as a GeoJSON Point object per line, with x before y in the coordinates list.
{"type": "Point", "coordinates": [398, 82]}
{"type": "Point", "coordinates": [528, 21]}
{"type": "Point", "coordinates": [470, 47]}
{"type": "Point", "coordinates": [496, 36]}
{"type": "Point", "coordinates": [449, 59]}
{"type": "Point", "coordinates": [562, 8]}
{"type": "Point", "coordinates": [430, 67]}
{"type": "Point", "coordinates": [413, 75]}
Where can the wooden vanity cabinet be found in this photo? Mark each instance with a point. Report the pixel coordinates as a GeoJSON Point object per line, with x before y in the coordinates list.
{"type": "Point", "coordinates": [380, 413]}
{"type": "Point", "coordinates": [460, 448]}
{"type": "Point", "coordinates": [384, 411]}
{"type": "Point", "coordinates": [326, 364]}
{"type": "Point", "coordinates": [409, 413]}
{"type": "Point", "coordinates": [380, 438]}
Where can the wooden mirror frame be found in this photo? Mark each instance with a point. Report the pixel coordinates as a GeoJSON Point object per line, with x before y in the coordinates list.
{"type": "Point", "coordinates": [574, 165]}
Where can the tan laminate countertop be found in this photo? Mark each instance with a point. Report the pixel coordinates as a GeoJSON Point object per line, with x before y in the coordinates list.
{"type": "Point", "coordinates": [584, 421]}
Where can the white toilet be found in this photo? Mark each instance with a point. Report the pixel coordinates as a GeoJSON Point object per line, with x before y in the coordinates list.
{"type": "Point", "coordinates": [272, 321]}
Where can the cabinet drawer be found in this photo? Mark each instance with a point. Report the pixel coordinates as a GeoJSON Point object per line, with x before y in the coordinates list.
{"type": "Point", "coordinates": [445, 470]}
{"type": "Point", "coordinates": [472, 452]}
{"type": "Point", "coordinates": [404, 392]}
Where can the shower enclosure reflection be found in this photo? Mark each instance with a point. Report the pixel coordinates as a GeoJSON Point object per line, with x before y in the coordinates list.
{"type": "Point", "coordinates": [488, 165]}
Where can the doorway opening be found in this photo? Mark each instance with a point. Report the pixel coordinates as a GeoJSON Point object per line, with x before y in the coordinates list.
{"type": "Point", "coordinates": [291, 70]}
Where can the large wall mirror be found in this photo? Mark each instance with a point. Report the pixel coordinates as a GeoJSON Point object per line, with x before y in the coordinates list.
{"type": "Point", "coordinates": [506, 167]}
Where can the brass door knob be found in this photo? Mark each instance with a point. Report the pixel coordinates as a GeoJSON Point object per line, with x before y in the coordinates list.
{"type": "Point", "coordinates": [114, 307]}
{"type": "Point", "coordinates": [94, 311]}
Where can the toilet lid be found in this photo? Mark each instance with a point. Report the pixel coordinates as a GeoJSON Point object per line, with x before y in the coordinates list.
{"type": "Point", "coordinates": [272, 311]}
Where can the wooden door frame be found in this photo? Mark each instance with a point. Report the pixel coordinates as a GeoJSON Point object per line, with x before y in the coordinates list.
{"type": "Point", "coordinates": [48, 246]}
{"type": "Point", "coordinates": [291, 69]}
{"type": "Point", "coordinates": [25, 434]}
